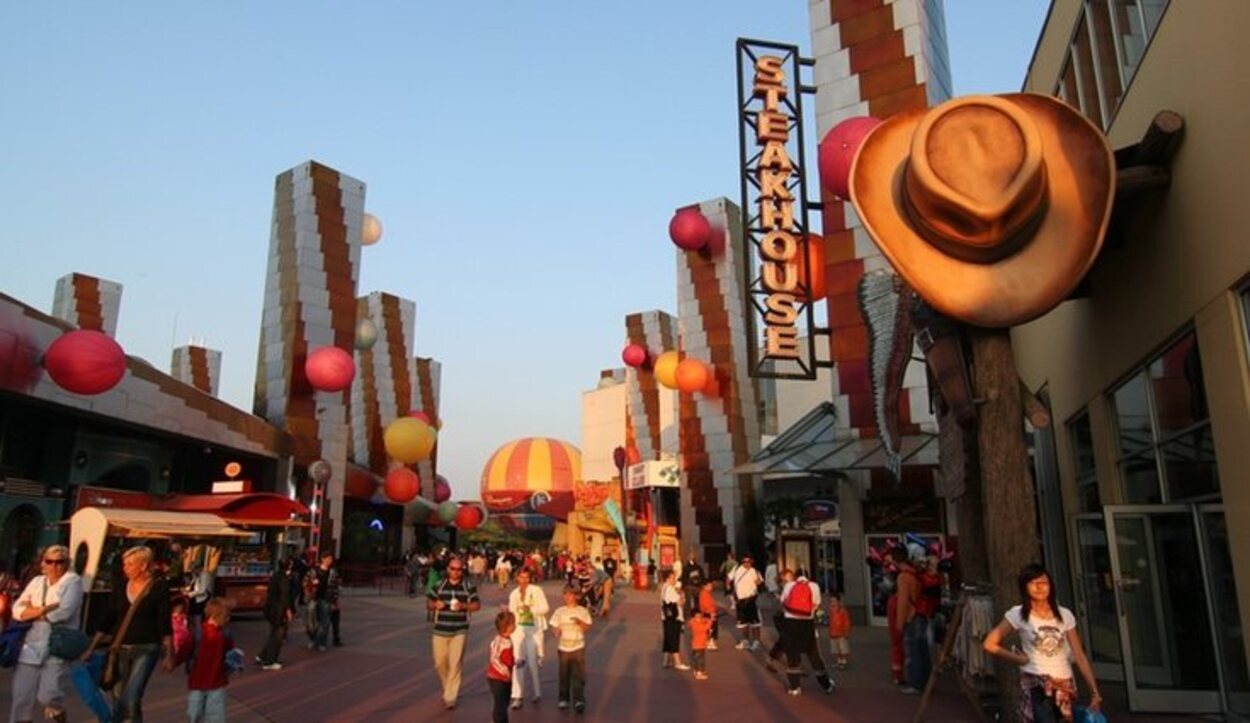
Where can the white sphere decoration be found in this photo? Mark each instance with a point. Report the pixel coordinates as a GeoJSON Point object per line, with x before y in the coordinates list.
{"type": "Point", "coordinates": [371, 230]}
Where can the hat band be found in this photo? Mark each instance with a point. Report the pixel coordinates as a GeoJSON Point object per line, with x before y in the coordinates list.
{"type": "Point", "coordinates": [1012, 242]}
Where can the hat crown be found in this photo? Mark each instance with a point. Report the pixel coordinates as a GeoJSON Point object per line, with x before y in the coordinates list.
{"type": "Point", "coordinates": [975, 178]}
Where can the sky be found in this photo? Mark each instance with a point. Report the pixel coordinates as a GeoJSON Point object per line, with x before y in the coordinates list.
{"type": "Point", "coordinates": [524, 159]}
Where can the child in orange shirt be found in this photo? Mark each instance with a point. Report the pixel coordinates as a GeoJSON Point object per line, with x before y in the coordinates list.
{"type": "Point", "coordinates": [700, 629]}
{"type": "Point", "coordinates": [707, 606]}
{"type": "Point", "coordinates": [839, 631]}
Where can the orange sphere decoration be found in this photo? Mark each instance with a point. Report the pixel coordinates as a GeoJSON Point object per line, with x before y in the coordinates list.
{"type": "Point", "coordinates": [691, 375]}
{"type": "Point", "coordinates": [330, 369]}
{"type": "Point", "coordinates": [402, 485]}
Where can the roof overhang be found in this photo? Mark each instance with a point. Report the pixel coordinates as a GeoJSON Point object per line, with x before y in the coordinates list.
{"type": "Point", "coordinates": [812, 446]}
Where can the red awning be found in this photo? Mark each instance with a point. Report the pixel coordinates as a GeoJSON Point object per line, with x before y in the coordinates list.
{"type": "Point", "coordinates": [249, 508]}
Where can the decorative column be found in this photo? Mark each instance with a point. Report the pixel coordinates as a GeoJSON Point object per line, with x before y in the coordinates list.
{"type": "Point", "coordinates": [88, 302]}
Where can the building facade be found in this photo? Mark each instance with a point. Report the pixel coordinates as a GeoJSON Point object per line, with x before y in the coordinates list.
{"type": "Point", "coordinates": [1146, 373]}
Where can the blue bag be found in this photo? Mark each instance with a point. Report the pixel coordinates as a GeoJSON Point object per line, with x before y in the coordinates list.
{"type": "Point", "coordinates": [86, 680]}
{"type": "Point", "coordinates": [11, 643]}
{"type": "Point", "coordinates": [1081, 714]}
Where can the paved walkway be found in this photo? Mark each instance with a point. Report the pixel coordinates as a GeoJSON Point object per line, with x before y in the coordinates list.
{"type": "Point", "coordinates": [384, 674]}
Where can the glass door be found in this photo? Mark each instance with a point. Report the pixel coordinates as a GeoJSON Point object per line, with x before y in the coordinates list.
{"type": "Point", "coordinates": [1223, 591]}
{"type": "Point", "coordinates": [1095, 596]}
{"type": "Point", "coordinates": [1166, 626]}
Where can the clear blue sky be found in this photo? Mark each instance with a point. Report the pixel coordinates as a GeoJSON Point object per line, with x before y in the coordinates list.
{"type": "Point", "coordinates": [523, 157]}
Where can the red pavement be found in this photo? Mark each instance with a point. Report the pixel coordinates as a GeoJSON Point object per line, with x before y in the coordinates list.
{"type": "Point", "coordinates": [384, 674]}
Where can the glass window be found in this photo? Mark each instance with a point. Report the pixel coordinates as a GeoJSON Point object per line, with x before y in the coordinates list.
{"type": "Point", "coordinates": [1245, 313]}
{"type": "Point", "coordinates": [1135, 22]}
{"type": "Point", "coordinates": [1166, 449]}
{"type": "Point", "coordinates": [1083, 57]}
{"type": "Point", "coordinates": [1082, 440]}
{"type": "Point", "coordinates": [1176, 385]}
{"type": "Point", "coordinates": [1132, 411]}
{"type": "Point", "coordinates": [1066, 90]}
{"type": "Point", "coordinates": [1109, 80]}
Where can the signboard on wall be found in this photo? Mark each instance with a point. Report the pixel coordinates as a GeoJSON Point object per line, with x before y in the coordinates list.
{"type": "Point", "coordinates": [774, 210]}
{"type": "Point", "coordinates": [652, 474]}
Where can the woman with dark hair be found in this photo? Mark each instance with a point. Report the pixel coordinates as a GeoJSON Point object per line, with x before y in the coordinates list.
{"type": "Point", "coordinates": [1050, 643]}
{"type": "Point", "coordinates": [671, 604]}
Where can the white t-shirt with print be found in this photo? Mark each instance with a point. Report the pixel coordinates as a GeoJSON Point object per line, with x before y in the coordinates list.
{"type": "Point", "coordinates": [565, 620]}
{"type": "Point", "coordinates": [1045, 642]}
{"type": "Point", "coordinates": [746, 582]}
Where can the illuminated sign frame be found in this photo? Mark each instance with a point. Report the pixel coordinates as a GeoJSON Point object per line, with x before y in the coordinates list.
{"type": "Point", "coordinates": [775, 211]}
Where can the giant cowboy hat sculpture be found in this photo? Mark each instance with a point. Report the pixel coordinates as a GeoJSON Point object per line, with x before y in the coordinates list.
{"type": "Point", "coordinates": [992, 208]}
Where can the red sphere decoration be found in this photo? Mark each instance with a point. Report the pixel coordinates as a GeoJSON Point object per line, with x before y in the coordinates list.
{"type": "Point", "coordinates": [418, 414]}
{"type": "Point", "coordinates": [468, 517]}
{"type": "Point", "coordinates": [330, 369]}
{"type": "Point", "coordinates": [442, 489]}
{"type": "Point", "coordinates": [402, 485]}
{"type": "Point", "coordinates": [692, 375]}
{"type": "Point", "coordinates": [19, 354]}
{"type": "Point", "coordinates": [634, 355]}
{"type": "Point", "coordinates": [837, 153]}
{"type": "Point", "coordinates": [689, 229]}
{"type": "Point", "coordinates": [85, 362]}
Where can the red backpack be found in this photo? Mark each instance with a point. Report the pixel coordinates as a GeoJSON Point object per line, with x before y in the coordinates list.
{"type": "Point", "coordinates": [800, 600]}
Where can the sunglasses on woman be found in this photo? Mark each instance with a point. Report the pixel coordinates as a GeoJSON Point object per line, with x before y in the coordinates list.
{"type": "Point", "coordinates": [56, 561]}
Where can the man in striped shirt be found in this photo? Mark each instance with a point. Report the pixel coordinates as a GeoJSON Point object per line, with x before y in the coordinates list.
{"type": "Point", "coordinates": [452, 601]}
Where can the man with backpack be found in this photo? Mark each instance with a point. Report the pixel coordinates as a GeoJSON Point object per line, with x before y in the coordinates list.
{"type": "Point", "coordinates": [800, 600]}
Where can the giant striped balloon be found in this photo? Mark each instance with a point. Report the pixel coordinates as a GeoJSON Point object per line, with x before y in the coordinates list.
{"type": "Point", "coordinates": [527, 472]}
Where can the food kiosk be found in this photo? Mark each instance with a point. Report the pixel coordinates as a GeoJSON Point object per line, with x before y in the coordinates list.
{"type": "Point", "coordinates": [234, 537]}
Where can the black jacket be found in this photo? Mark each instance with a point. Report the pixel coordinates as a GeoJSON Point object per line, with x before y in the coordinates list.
{"type": "Point", "coordinates": [281, 596]}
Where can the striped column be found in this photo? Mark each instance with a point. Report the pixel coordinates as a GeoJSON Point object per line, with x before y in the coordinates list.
{"type": "Point", "coordinates": [88, 302]}
{"type": "Point", "coordinates": [198, 366]}
{"type": "Point", "coordinates": [310, 302]}
{"type": "Point", "coordinates": [383, 388]}
{"type": "Point", "coordinates": [722, 431]}
{"type": "Point", "coordinates": [427, 379]}
{"type": "Point", "coordinates": [878, 58]}
{"type": "Point", "coordinates": [644, 420]}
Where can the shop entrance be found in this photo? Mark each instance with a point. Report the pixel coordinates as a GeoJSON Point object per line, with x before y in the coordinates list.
{"type": "Point", "coordinates": [1179, 629]}
{"type": "Point", "coordinates": [20, 537]}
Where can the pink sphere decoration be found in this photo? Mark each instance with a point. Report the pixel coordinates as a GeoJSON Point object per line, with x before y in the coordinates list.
{"type": "Point", "coordinates": [634, 355]}
{"type": "Point", "coordinates": [401, 485]}
{"type": "Point", "coordinates": [85, 362]}
{"type": "Point", "coordinates": [418, 414]}
{"type": "Point", "coordinates": [442, 489]}
{"type": "Point", "coordinates": [837, 153]}
{"type": "Point", "coordinates": [330, 369]}
{"type": "Point", "coordinates": [689, 229]}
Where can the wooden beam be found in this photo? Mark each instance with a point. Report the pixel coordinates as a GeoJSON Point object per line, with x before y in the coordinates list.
{"type": "Point", "coordinates": [1162, 138]}
{"type": "Point", "coordinates": [1135, 180]}
{"type": "Point", "coordinates": [1034, 411]}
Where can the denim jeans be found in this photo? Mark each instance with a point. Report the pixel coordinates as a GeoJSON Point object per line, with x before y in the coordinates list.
{"type": "Point", "coordinates": [573, 675]}
{"type": "Point", "coordinates": [206, 706]}
{"type": "Point", "coordinates": [323, 624]}
{"type": "Point", "coordinates": [917, 662]}
{"type": "Point", "coordinates": [135, 664]}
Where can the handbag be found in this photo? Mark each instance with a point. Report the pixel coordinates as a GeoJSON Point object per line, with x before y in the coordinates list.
{"type": "Point", "coordinates": [108, 674]}
{"type": "Point", "coordinates": [11, 643]}
{"type": "Point", "coordinates": [67, 643]}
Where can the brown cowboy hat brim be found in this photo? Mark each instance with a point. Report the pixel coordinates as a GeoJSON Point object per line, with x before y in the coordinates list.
{"type": "Point", "coordinates": [1080, 172]}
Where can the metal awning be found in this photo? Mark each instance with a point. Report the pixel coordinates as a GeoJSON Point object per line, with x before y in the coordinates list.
{"type": "Point", "coordinates": [811, 446]}
{"type": "Point", "coordinates": [153, 523]}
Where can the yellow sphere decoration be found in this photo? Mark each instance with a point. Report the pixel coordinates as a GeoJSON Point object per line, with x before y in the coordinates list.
{"type": "Point", "coordinates": [665, 369]}
{"type": "Point", "coordinates": [371, 230]}
{"type": "Point", "coordinates": [409, 440]}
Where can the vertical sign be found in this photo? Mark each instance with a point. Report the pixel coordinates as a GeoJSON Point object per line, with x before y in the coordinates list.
{"type": "Point", "coordinates": [774, 210]}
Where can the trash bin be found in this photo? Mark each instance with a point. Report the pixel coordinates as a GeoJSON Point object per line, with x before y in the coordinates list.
{"type": "Point", "coordinates": [640, 577]}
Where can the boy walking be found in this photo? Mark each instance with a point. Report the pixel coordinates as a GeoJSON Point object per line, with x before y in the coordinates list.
{"type": "Point", "coordinates": [206, 684]}
{"type": "Point", "coordinates": [571, 621]}
{"type": "Point", "coordinates": [500, 664]}
{"type": "Point", "coordinates": [700, 630]}
{"type": "Point", "coordinates": [707, 606]}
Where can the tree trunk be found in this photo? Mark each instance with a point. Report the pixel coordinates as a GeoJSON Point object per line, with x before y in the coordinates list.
{"type": "Point", "coordinates": [1009, 509]}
